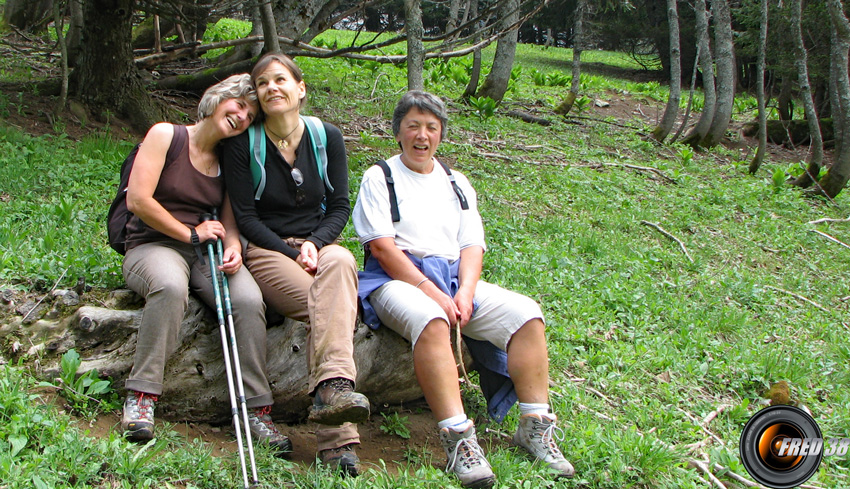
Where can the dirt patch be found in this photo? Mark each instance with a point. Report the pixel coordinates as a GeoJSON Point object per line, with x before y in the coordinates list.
{"type": "Point", "coordinates": [375, 444]}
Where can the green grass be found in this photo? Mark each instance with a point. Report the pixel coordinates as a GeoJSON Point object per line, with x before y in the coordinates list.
{"type": "Point", "coordinates": [643, 342]}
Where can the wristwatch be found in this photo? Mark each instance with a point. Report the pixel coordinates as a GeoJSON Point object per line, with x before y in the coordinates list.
{"type": "Point", "coordinates": [196, 241]}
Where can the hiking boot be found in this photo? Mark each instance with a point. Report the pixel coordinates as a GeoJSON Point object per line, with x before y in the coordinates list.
{"type": "Point", "coordinates": [536, 434]}
{"type": "Point", "coordinates": [466, 459]}
{"type": "Point", "coordinates": [137, 422]}
{"type": "Point", "coordinates": [342, 459]}
{"type": "Point", "coordinates": [263, 431]}
{"type": "Point", "coordinates": [336, 403]}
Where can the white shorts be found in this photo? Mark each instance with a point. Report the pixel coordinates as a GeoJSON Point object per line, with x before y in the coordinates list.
{"type": "Point", "coordinates": [500, 312]}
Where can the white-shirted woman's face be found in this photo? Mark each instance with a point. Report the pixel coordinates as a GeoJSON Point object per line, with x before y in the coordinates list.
{"type": "Point", "coordinates": [278, 91]}
{"type": "Point", "coordinates": [419, 136]}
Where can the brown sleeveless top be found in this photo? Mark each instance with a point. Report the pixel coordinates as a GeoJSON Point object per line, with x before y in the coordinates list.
{"type": "Point", "coordinates": [182, 190]}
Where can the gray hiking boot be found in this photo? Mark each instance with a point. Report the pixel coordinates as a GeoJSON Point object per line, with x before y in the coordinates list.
{"type": "Point", "coordinates": [137, 422]}
{"type": "Point", "coordinates": [336, 403]}
{"type": "Point", "coordinates": [263, 430]}
{"type": "Point", "coordinates": [536, 434]}
{"type": "Point", "coordinates": [466, 459]}
{"type": "Point", "coordinates": [343, 459]}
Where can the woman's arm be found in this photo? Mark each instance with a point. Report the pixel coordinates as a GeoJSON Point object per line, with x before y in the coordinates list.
{"type": "Point", "coordinates": [399, 267]}
{"type": "Point", "coordinates": [232, 255]}
{"type": "Point", "coordinates": [469, 271]}
{"type": "Point", "coordinates": [144, 178]}
{"type": "Point", "coordinates": [337, 205]}
{"type": "Point", "coordinates": [236, 161]}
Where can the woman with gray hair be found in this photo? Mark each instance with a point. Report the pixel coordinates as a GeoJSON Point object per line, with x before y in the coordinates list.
{"type": "Point", "coordinates": [175, 179]}
{"type": "Point", "coordinates": [425, 243]}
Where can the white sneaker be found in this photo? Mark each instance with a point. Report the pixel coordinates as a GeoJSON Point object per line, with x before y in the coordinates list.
{"type": "Point", "coordinates": [536, 434]}
{"type": "Point", "coordinates": [466, 459]}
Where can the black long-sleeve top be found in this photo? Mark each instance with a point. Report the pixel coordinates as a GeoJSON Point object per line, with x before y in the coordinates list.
{"type": "Point", "coordinates": [276, 215]}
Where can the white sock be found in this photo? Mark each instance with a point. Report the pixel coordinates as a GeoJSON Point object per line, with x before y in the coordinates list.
{"type": "Point", "coordinates": [457, 423]}
{"type": "Point", "coordinates": [533, 408]}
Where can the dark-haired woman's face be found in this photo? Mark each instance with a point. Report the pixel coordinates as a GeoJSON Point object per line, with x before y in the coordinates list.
{"type": "Point", "coordinates": [277, 90]}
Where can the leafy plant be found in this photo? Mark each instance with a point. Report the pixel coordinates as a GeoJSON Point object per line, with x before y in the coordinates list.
{"type": "Point", "coordinates": [485, 107]}
{"type": "Point", "coordinates": [85, 393]}
{"type": "Point", "coordinates": [686, 154]}
{"type": "Point", "coordinates": [778, 179]}
{"type": "Point", "coordinates": [395, 425]}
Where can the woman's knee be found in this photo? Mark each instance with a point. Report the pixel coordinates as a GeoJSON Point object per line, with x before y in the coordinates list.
{"type": "Point", "coordinates": [435, 332]}
{"type": "Point", "coordinates": [335, 256]}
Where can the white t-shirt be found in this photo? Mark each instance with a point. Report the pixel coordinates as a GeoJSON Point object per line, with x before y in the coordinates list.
{"type": "Point", "coordinates": [432, 222]}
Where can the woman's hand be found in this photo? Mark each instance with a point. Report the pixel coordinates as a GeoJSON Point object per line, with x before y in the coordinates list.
{"type": "Point", "coordinates": [309, 257]}
{"type": "Point", "coordinates": [210, 231]}
{"type": "Point", "coordinates": [463, 300]}
{"type": "Point", "coordinates": [442, 300]}
{"type": "Point", "coordinates": [232, 261]}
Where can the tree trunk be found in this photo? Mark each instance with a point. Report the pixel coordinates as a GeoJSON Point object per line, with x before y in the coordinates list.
{"type": "Point", "coordinates": [28, 15]}
{"type": "Point", "coordinates": [415, 47]}
{"type": "Point", "coordinates": [725, 63]}
{"type": "Point", "coordinates": [295, 18]}
{"type": "Point", "coordinates": [105, 77]}
{"type": "Point", "coordinates": [63, 49]}
{"type": "Point", "coordinates": [671, 112]}
{"type": "Point", "coordinates": [706, 62]}
{"type": "Point", "coordinates": [836, 177]}
{"type": "Point", "coordinates": [324, 20]}
{"type": "Point", "coordinates": [496, 83]}
{"type": "Point", "coordinates": [452, 21]}
{"type": "Point", "coordinates": [785, 100]}
{"type": "Point", "coordinates": [272, 45]}
{"type": "Point", "coordinates": [578, 44]}
{"type": "Point", "coordinates": [801, 61]}
{"type": "Point", "coordinates": [195, 387]}
{"type": "Point", "coordinates": [475, 75]}
{"type": "Point", "coordinates": [762, 54]}
{"type": "Point", "coordinates": [74, 28]}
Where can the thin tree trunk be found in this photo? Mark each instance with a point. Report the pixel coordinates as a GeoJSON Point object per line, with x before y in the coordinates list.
{"type": "Point", "coordinates": [475, 75]}
{"type": "Point", "coordinates": [801, 60]}
{"type": "Point", "coordinates": [836, 177]}
{"type": "Point", "coordinates": [497, 81]}
{"type": "Point", "coordinates": [157, 35]}
{"type": "Point", "coordinates": [63, 49]}
{"type": "Point", "coordinates": [452, 21]}
{"type": "Point", "coordinates": [725, 64]}
{"type": "Point", "coordinates": [706, 63]}
{"type": "Point", "coordinates": [758, 159]}
{"type": "Point", "coordinates": [687, 116]}
{"type": "Point", "coordinates": [578, 43]}
{"type": "Point", "coordinates": [672, 109]}
{"type": "Point", "coordinates": [272, 45]}
{"type": "Point", "coordinates": [415, 47]}
{"type": "Point", "coordinates": [75, 26]}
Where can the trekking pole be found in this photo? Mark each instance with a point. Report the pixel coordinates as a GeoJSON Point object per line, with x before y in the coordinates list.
{"type": "Point", "coordinates": [227, 367]}
{"type": "Point", "coordinates": [237, 366]}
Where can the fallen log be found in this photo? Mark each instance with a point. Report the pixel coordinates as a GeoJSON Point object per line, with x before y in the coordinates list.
{"type": "Point", "coordinates": [195, 389]}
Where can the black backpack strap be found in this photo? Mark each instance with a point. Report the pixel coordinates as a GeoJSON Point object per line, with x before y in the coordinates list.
{"type": "Point", "coordinates": [460, 197]}
{"type": "Point", "coordinates": [388, 175]}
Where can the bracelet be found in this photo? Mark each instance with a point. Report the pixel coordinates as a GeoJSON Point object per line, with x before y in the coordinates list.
{"type": "Point", "coordinates": [422, 281]}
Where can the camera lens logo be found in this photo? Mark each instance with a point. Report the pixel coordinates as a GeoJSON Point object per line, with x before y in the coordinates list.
{"type": "Point", "coordinates": [781, 447]}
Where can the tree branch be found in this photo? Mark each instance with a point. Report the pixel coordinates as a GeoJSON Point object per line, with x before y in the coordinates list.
{"type": "Point", "coordinates": [666, 233]}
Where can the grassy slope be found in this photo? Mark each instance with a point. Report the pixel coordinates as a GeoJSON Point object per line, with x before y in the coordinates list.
{"type": "Point", "coordinates": [643, 343]}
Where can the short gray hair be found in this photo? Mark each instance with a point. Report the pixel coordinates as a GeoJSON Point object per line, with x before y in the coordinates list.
{"type": "Point", "coordinates": [234, 86]}
{"type": "Point", "coordinates": [424, 101]}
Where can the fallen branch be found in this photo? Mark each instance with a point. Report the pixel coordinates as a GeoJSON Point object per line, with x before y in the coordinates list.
{"type": "Point", "coordinates": [704, 468]}
{"type": "Point", "coordinates": [702, 427]}
{"type": "Point", "coordinates": [797, 296]}
{"type": "Point", "coordinates": [820, 221]}
{"type": "Point", "coordinates": [830, 238]}
{"type": "Point", "coordinates": [525, 116]}
{"type": "Point", "coordinates": [665, 233]}
{"type": "Point", "coordinates": [45, 295]}
{"type": "Point", "coordinates": [710, 417]}
{"type": "Point", "coordinates": [738, 478]}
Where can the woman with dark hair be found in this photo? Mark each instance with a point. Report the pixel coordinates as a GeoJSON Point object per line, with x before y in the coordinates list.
{"type": "Point", "coordinates": [175, 179]}
{"type": "Point", "coordinates": [426, 242]}
{"type": "Point", "coordinates": [292, 219]}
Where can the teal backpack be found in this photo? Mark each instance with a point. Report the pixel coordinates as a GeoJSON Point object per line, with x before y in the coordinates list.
{"type": "Point", "coordinates": [256, 141]}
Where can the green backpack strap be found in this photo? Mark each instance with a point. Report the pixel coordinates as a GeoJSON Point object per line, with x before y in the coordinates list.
{"type": "Point", "coordinates": [319, 138]}
{"type": "Point", "coordinates": [256, 143]}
